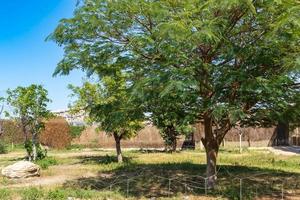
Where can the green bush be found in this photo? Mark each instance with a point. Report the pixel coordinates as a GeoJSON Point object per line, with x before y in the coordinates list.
{"type": "Point", "coordinates": [46, 162]}
{"type": "Point", "coordinates": [83, 194]}
{"type": "Point", "coordinates": [32, 194]}
{"type": "Point", "coordinates": [41, 153]}
{"type": "Point", "coordinates": [5, 194]}
{"type": "Point", "coordinates": [3, 148]}
{"type": "Point", "coordinates": [75, 146]}
{"type": "Point", "coordinates": [57, 194]}
{"type": "Point", "coordinates": [76, 131]}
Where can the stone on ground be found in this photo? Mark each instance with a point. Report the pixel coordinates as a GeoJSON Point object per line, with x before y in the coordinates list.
{"type": "Point", "coordinates": [21, 169]}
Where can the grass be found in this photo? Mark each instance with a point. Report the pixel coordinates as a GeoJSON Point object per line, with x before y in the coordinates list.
{"type": "Point", "coordinates": [46, 162]}
{"type": "Point", "coordinates": [143, 175]}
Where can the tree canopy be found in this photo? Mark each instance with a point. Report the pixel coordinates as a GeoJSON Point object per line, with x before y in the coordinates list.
{"type": "Point", "coordinates": [30, 108]}
{"type": "Point", "coordinates": [110, 107]}
{"type": "Point", "coordinates": [238, 56]}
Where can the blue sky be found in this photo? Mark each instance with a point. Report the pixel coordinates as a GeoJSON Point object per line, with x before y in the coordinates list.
{"type": "Point", "coordinates": [25, 57]}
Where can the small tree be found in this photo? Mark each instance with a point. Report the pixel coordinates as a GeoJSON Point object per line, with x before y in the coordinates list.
{"type": "Point", "coordinates": [169, 109]}
{"type": "Point", "coordinates": [109, 106]}
{"type": "Point", "coordinates": [30, 108]}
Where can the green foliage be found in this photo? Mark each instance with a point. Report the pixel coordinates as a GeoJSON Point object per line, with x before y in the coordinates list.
{"type": "Point", "coordinates": [75, 146]}
{"type": "Point", "coordinates": [5, 194]}
{"type": "Point", "coordinates": [40, 151]}
{"type": "Point", "coordinates": [32, 194]}
{"type": "Point", "coordinates": [57, 195]}
{"type": "Point", "coordinates": [108, 104]}
{"type": "Point", "coordinates": [76, 131]}
{"type": "Point", "coordinates": [30, 104]}
{"type": "Point", "coordinates": [232, 61]}
{"type": "Point", "coordinates": [3, 148]}
{"type": "Point", "coordinates": [28, 146]}
{"type": "Point", "coordinates": [30, 109]}
{"type": "Point", "coordinates": [230, 54]}
{"type": "Point", "coordinates": [45, 163]}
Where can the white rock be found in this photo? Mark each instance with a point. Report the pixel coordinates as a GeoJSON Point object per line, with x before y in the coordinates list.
{"type": "Point", "coordinates": [21, 169]}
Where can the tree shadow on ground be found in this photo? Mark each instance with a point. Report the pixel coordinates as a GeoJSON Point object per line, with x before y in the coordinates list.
{"type": "Point", "coordinates": [171, 179]}
{"type": "Point", "coordinates": [18, 159]}
{"type": "Point", "coordinates": [107, 159]}
{"type": "Point", "coordinates": [289, 149]}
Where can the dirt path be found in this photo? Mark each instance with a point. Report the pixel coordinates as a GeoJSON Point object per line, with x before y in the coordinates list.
{"type": "Point", "coordinates": [62, 173]}
{"type": "Point", "coordinates": [286, 150]}
{"type": "Point", "coordinates": [281, 150]}
{"type": "Point", "coordinates": [55, 175]}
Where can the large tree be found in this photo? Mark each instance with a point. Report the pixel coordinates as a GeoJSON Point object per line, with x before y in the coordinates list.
{"type": "Point", "coordinates": [235, 55]}
{"type": "Point", "coordinates": [30, 109]}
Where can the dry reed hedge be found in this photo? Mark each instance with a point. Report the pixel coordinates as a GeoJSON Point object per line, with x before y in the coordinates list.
{"type": "Point", "coordinates": [12, 133]}
{"type": "Point", "coordinates": [56, 134]}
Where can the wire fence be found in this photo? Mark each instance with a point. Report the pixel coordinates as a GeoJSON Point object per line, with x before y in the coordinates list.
{"type": "Point", "coordinates": [145, 183]}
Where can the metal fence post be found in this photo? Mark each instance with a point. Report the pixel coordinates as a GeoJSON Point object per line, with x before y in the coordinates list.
{"type": "Point", "coordinates": [282, 192]}
{"type": "Point", "coordinates": [169, 187]}
{"type": "Point", "coordinates": [241, 189]}
{"type": "Point", "coordinates": [256, 195]}
{"type": "Point", "coordinates": [127, 188]}
{"type": "Point", "coordinates": [185, 186]}
{"type": "Point", "coordinates": [205, 186]}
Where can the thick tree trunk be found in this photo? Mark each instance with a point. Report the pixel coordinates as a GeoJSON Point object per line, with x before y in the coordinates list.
{"type": "Point", "coordinates": [282, 134]}
{"type": "Point", "coordinates": [211, 164]}
{"type": "Point", "coordinates": [211, 146]}
{"type": "Point", "coordinates": [173, 136]}
{"type": "Point", "coordinates": [170, 138]}
{"type": "Point", "coordinates": [212, 142]}
{"type": "Point", "coordinates": [174, 145]}
{"type": "Point", "coordinates": [118, 147]}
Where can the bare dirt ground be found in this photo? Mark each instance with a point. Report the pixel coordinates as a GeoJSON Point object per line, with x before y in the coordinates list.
{"type": "Point", "coordinates": [60, 175]}
{"type": "Point", "coordinates": [94, 166]}
{"type": "Point", "coordinates": [281, 150]}
{"type": "Point", "coordinates": [55, 175]}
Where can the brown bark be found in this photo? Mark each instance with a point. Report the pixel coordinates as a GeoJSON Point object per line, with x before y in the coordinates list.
{"type": "Point", "coordinates": [170, 137]}
{"type": "Point", "coordinates": [173, 136]}
{"type": "Point", "coordinates": [118, 147]}
{"type": "Point", "coordinates": [212, 142]}
{"type": "Point", "coordinates": [211, 147]}
{"type": "Point", "coordinates": [174, 145]}
{"type": "Point", "coordinates": [281, 135]}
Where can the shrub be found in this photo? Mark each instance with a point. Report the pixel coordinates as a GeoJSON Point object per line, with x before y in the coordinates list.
{"type": "Point", "coordinates": [56, 133]}
{"type": "Point", "coordinates": [3, 148]}
{"type": "Point", "coordinates": [45, 163]}
{"type": "Point", "coordinates": [12, 132]}
{"type": "Point", "coordinates": [76, 131]}
{"type": "Point", "coordinates": [41, 153]}
{"type": "Point", "coordinates": [57, 194]}
{"type": "Point", "coordinates": [75, 147]}
{"type": "Point", "coordinates": [32, 194]}
{"type": "Point", "coordinates": [5, 194]}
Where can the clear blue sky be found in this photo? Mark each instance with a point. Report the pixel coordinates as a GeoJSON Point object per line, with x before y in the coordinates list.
{"type": "Point", "coordinates": [25, 57]}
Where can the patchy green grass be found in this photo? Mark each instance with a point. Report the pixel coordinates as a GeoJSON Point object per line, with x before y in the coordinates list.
{"type": "Point", "coordinates": [46, 162]}
{"type": "Point", "coordinates": [94, 174]}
